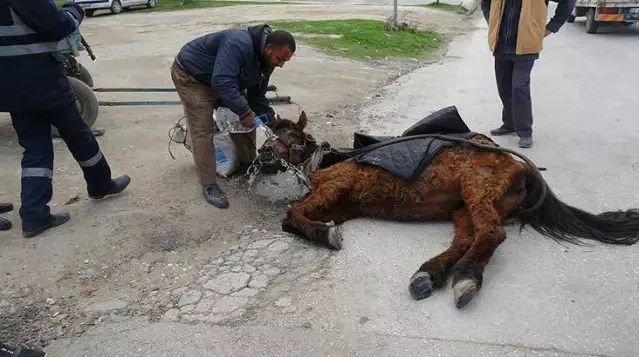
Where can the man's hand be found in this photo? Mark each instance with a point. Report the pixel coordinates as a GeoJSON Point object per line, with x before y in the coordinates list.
{"type": "Point", "coordinates": [548, 32]}
{"type": "Point", "coordinates": [248, 120]}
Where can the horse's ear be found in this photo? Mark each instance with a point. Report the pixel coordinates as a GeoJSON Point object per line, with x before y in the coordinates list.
{"type": "Point", "coordinates": [278, 117]}
{"type": "Point", "coordinates": [302, 121]}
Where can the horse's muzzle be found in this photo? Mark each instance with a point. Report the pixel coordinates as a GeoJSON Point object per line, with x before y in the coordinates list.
{"type": "Point", "coordinates": [271, 164]}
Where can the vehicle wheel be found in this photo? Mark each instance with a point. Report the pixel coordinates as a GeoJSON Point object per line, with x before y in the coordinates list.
{"type": "Point", "coordinates": [85, 76]}
{"type": "Point", "coordinates": [571, 18]}
{"type": "Point", "coordinates": [591, 25]}
{"type": "Point", "coordinates": [116, 7]}
{"type": "Point", "coordinates": [151, 4]}
{"type": "Point", "coordinates": [86, 101]}
{"type": "Point", "coordinates": [89, 13]}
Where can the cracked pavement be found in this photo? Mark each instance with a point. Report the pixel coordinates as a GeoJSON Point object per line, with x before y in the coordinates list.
{"type": "Point", "coordinates": [230, 285]}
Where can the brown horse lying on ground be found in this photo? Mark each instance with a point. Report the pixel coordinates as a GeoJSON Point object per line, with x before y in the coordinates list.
{"type": "Point", "coordinates": [475, 183]}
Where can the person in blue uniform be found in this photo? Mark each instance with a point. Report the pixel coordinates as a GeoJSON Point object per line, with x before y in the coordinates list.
{"type": "Point", "coordinates": [37, 94]}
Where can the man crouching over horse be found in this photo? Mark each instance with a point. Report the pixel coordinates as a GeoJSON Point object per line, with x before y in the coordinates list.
{"type": "Point", "coordinates": [210, 71]}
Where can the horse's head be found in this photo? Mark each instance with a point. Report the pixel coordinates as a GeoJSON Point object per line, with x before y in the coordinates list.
{"type": "Point", "coordinates": [290, 144]}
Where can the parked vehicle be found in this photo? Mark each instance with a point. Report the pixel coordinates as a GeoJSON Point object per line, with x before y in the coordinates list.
{"type": "Point", "coordinates": [625, 12]}
{"type": "Point", "coordinates": [115, 6]}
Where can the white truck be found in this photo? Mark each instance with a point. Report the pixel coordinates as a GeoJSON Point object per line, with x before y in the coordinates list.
{"type": "Point", "coordinates": [115, 6]}
{"type": "Point", "coordinates": [625, 12]}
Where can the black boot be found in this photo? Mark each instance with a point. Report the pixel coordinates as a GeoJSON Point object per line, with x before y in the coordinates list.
{"type": "Point", "coordinates": [118, 185]}
{"type": "Point", "coordinates": [6, 207]}
{"type": "Point", "coordinates": [6, 351]}
{"type": "Point", "coordinates": [214, 195]}
{"type": "Point", "coordinates": [54, 221]}
{"type": "Point", "coordinates": [5, 224]}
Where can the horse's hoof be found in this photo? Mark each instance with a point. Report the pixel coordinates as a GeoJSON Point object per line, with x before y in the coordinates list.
{"type": "Point", "coordinates": [287, 226]}
{"type": "Point", "coordinates": [334, 236]}
{"type": "Point", "coordinates": [464, 291]}
{"type": "Point", "coordinates": [421, 286]}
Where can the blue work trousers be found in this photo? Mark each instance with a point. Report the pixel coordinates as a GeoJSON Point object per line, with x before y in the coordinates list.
{"type": "Point", "coordinates": [34, 135]}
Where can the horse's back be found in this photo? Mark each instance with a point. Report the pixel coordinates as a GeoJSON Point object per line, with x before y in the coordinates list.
{"type": "Point", "coordinates": [435, 195]}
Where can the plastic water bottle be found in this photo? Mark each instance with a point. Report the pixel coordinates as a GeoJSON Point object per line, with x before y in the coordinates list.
{"type": "Point", "coordinates": [258, 122]}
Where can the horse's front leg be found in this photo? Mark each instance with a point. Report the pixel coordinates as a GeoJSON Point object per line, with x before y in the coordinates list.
{"type": "Point", "coordinates": [433, 273]}
{"type": "Point", "coordinates": [317, 217]}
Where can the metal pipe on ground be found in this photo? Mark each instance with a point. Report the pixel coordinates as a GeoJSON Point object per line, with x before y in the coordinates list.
{"type": "Point", "coordinates": [277, 99]}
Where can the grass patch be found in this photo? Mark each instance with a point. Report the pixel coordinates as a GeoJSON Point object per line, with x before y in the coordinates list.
{"type": "Point", "coordinates": [363, 38]}
{"type": "Point", "coordinates": [444, 6]}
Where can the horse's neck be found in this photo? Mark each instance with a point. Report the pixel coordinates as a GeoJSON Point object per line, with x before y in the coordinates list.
{"type": "Point", "coordinates": [312, 163]}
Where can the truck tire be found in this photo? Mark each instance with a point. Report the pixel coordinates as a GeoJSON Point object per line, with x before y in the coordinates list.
{"type": "Point", "coordinates": [571, 18]}
{"type": "Point", "coordinates": [84, 75]}
{"type": "Point", "coordinates": [591, 24]}
{"type": "Point", "coordinates": [86, 101]}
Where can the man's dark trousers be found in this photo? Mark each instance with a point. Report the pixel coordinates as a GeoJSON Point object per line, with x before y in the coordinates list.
{"type": "Point", "coordinates": [513, 84]}
{"type": "Point", "coordinates": [34, 135]}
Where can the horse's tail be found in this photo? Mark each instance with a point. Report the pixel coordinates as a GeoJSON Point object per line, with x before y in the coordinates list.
{"type": "Point", "coordinates": [560, 221]}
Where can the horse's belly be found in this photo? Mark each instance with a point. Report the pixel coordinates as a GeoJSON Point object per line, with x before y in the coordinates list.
{"type": "Point", "coordinates": [413, 211]}
{"type": "Point", "coordinates": [410, 202]}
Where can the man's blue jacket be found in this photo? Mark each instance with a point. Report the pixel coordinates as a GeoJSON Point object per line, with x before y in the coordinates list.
{"type": "Point", "coordinates": [230, 61]}
{"type": "Point", "coordinates": [31, 70]}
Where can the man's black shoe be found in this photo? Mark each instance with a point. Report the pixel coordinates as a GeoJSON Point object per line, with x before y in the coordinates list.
{"type": "Point", "coordinates": [54, 221]}
{"type": "Point", "coordinates": [118, 185]}
{"type": "Point", "coordinates": [214, 195]}
{"type": "Point", "coordinates": [502, 131]}
{"type": "Point", "coordinates": [5, 224]}
{"type": "Point", "coordinates": [6, 207]}
{"type": "Point", "coordinates": [6, 351]}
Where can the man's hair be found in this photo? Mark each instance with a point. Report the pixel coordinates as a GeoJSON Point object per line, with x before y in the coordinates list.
{"type": "Point", "coordinates": [281, 38]}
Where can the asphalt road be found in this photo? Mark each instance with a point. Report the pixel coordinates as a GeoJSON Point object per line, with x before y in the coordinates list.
{"type": "Point", "coordinates": [538, 299]}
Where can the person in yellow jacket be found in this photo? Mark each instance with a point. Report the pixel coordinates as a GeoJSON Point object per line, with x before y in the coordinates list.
{"type": "Point", "coordinates": [516, 32]}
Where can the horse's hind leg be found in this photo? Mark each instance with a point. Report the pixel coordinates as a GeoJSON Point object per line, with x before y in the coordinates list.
{"type": "Point", "coordinates": [433, 273]}
{"type": "Point", "coordinates": [318, 215]}
{"type": "Point", "coordinates": [481, 193]}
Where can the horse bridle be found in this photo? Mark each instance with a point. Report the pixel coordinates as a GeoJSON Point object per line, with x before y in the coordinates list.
{"type": "Point", "coordinates": [296, 147]}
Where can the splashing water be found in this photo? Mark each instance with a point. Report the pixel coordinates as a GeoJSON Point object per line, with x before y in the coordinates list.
{"type": "Point", "coordinates": [270, 135]}
{"type": "Point", "coordinates": [256, 165]}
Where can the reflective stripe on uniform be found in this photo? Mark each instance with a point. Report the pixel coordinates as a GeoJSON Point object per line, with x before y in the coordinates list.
{"type": "Point", "coordinates": [75, 21]}
{"type": "Point", "coordinates": [19, 28]}
{"type": "Point", "coordinates": [32, 49]}
{"type": "Point", "coordinates": [37, 172]}
{"type": "Point", "coordinates": [92, 161]}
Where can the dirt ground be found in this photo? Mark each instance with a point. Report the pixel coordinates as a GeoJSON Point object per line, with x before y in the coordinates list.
{"type": "Point", "coordinates": [138, 252]}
